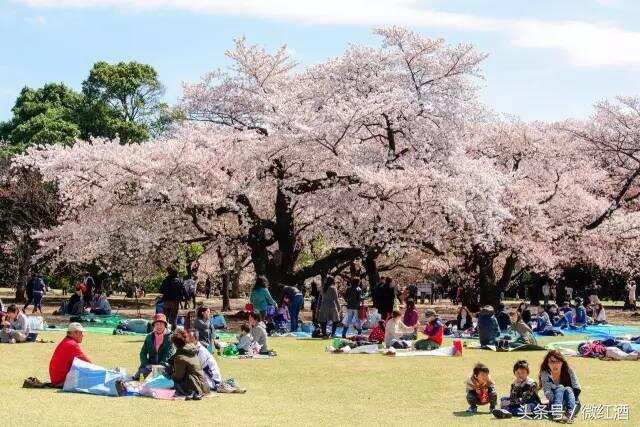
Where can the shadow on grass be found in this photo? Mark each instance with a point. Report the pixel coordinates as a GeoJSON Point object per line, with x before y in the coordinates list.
{"type": "Point", "coordinates": [464, 414]}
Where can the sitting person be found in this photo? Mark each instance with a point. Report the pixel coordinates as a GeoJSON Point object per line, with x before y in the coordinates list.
{"type": "Point", "coordinates": [15, 328]}
{"type": "Point", "coordinates": [259, 331]}
{"type": "Point", "coordinates": [204, 327]}
{"type": "Point", "coordinates": [395, 330]}
{"type": "Point", "coordinates": [480, 389]}
{"type": "Point", "coordinates": [67, 350]}
{"type": "Point", "coordinates": [75, 305]}
{"type": "Point", "coordinates": [579, 314]}
{"type": "Point", "coordinates": [377, 333]}
{"type": "Point", "coordinates": [464, 321]}
{"type": "Point", "coordinates": [244, 339]}
{"type": "Point", "coordinates": [600, 316]}
{"type": "Point", "coordinates": [157, 348]}
{"type": "Point", "coordinates": [524, 331]}
{"type": "Point", "coordinates": [434, 330]}
{"type": "Point", "coordinates": [411, 315]}
{"type": "Point", "coordinates": [208, 364]}
{"type": "Point", "coordinates": [559, 384]}
{"type": "Point", "coordinates": [488, 328]}
{"type": "Point", "coordinates": [543, 321]}
{"type": "Point", "coordinates": [187, 374]}
{"type": "Point", "coordinates": [100, 305]}
{"type": "Point", "coordinates": [502, 316]}
{"type": "Point", "coordinates": [566, 308]}
{"type": "Point", "coordinates": [523, 397]}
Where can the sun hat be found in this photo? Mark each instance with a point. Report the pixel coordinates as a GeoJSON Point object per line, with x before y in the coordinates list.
{"type": "Point", "coordinates": [430, 313]}
{"type": "Point", "coordinates": [75, 327]}
{"type": "Point", "coordinates": [160, 317]}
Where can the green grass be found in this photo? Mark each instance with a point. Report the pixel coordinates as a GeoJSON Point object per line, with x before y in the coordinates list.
{"type": "Point", "coordinates": [302, 386]}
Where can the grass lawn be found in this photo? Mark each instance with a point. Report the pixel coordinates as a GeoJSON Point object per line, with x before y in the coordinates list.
{"type": "Point", "coordinates": [302, 386]}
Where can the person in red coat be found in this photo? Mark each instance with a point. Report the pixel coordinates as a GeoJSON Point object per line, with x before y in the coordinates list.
{"type": "Point", "coordinates": [65, 352]}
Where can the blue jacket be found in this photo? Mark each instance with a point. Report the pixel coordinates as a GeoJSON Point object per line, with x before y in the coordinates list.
{"type": "Point", "coordinates": [581, 315]}
{"type": "Point", "coordinates": [488, 328]}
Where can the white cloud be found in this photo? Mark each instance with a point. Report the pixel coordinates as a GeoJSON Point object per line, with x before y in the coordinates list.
{"type": "Point", "coordinates": [585, 44]}
{"type": "Point", "coordinates": [37, 20]}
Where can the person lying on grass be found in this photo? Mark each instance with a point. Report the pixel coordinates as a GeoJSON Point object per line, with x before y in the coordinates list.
{"type": "Point", "coordinates": [523, 395]}
{"type": "Point", "coordinates": [434, 330]}
{"type": "Point", "coordinates": [157, 348]}
{"type": "Point", "coordinates": [480, 389]}
{"type": "Point", "coordinates": [186, 371]}
{"type": "Point", "coordinates": [67, 350]}
{"type": "Point", "coordinates": [559, 384]}
{"type": "Point", "coordinates": [396, 331]}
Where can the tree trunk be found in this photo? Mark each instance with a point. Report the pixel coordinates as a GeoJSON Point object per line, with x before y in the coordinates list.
{"type": "Point", "coordinates": [371, 268]}
{"type": "Point", "coordinates": [507, 272]}
{"type": "Point", "coordinates": [226, 303]}
{"type": "Point", "coordinates": [486, 278]}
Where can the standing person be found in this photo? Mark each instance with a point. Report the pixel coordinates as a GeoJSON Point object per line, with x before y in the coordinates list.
{"type": "Point", "coordinates": [546, 290]}
{"type": "Point", "coordinates": [387, 297]}
{"type": "Point", "coordinates": [429, 291]}
{"type": "Point", "coordinates": [38, 288]}
{"type": "Point", "coordinates": [207, 287]}
{"type": "Point", "coordinates": [329, 307]}
{"type": "Point", "coordinates": [412, 292]}
{"type": "Point", "coordinates": [315, 303]}
{"type": "Point", "coordinates": [295, 301]}
{"type": "Point", "coordinates": [631, 288]}
{"type": "Point", "coordinates": [559, 384]}
{"type": "Point", "coordinates": [173, 293]}
{"type": "Point", "coordinates": [29, 290]}
{"type": "Point", "coordinates": [156, 348]}
{"type": "Point", "coordinates": [67, 350]}
{"type": "Point", "coordinates": [190, 289]}
{"type": "Point", "coordinates": [261, 297]}
{"type": "Point", "coordinates": [354, 297]}
{"type": "Point", "coordinates": [569, 292]}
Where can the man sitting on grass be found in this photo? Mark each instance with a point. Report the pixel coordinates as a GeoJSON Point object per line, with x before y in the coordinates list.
{"type": "Point", "coordinates": [65, 352]}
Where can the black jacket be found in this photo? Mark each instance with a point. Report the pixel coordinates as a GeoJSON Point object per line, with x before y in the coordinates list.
{"type": "Point", "coordinates": [353, 297]}
{"type": "Point", "coordinates": [172, 289]}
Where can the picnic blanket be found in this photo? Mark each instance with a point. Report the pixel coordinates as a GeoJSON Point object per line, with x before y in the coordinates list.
{"type": "Point", "coordinates": [512, 347]}
{"type": "Point", "coordinates": [247, 356]}
{"type": "Point", "coordinates": [442, 351]}
{"type": "Point", "coordinates": [603, 331]}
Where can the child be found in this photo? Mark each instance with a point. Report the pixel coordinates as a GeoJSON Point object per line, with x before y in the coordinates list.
{"type": "Point", "coordinates": [523, 397]}
{"type": "Point", "coordinates": [377, 333]}
{"type": "Point", "coordinates": [244, 339]}
{"type": "Point", "coordinates": [434, 330]}
{"type": "Point", "coordinates": [480, 389]}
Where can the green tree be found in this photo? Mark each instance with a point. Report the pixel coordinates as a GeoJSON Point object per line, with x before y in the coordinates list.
{"type": "Point", "coordinates": [122, 100]}
{"type": "Point", "coordinates": [43, 116]}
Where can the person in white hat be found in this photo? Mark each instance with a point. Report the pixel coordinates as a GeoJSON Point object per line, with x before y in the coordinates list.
{"type": "Point", "coordinates": [65, 352]}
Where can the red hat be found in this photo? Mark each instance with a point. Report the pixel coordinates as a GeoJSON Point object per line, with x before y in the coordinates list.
{"type": "Point", "coordinates": [159, 317]}
{"type": "Point", "coordinates": [248, 308]}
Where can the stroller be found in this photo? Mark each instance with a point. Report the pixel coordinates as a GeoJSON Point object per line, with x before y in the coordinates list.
{"type": "Point", "coordinates": [276, 320]}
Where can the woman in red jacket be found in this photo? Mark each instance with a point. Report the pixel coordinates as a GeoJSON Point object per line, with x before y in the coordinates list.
{"type": "Point", "coordinates": [434, 330]}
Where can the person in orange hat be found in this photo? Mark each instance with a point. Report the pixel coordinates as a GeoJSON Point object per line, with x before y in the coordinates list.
{"type": "Point", "coordinates": [157, 348]}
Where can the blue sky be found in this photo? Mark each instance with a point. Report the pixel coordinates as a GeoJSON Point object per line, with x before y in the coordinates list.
{"type": "Point", "coordinates": [549, 59]}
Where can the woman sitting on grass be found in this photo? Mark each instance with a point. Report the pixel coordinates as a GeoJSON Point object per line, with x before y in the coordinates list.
{"type": "Point", "coordinates": [464, 320]}
{"type": "Point", "coordinates": [204, 328]}
{"type": "Point", "coordinates": [187, 374]}
{"type": "Point", "coordinates": [411, 315]}
{"type": "Point", "coordinates": [395, 330]}
{"type": "Point", "coordinates": [560, 384]}
{"type": "Point", "coordinates": [434, 330]}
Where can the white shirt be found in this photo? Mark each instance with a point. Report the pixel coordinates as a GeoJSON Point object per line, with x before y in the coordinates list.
{"type": "Point", "coordinates": [545, 290]}
{"type": "Point", "coordinates": [209, 366]}
{"type": "Point", "coordinates": [632, 292]}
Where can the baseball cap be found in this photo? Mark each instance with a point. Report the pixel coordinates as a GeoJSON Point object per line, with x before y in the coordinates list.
{"type": "Point", "coordinates": [75, 327]}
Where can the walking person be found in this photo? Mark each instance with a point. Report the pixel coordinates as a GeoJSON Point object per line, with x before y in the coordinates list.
{"type": "Point", "coordinates": [29, 290]}
{"type": "Point", "coordinates": [173, 293]}
{"type": "Point", "coordinates": [207, 287]}
{"type": "Point", "coordinates": [38, 289]}
{"type": "Point", "coordinates": [546, 290]}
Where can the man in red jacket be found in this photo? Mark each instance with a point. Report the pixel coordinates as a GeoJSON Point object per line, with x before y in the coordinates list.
{"type": "Point", "coordinates": [65, 352]}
